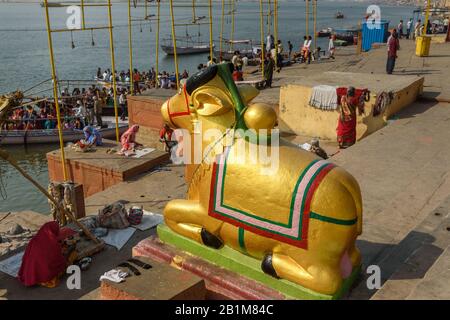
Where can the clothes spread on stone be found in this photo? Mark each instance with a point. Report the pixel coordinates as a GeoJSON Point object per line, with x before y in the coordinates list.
{"type": "Point", "coordinates": [324, 97]}
{"type": "Point", "coordinates": [114, 275]}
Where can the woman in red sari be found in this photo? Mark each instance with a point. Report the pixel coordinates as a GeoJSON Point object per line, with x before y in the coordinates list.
{"type": "Point", "coordinates": [46, 258]}
{"type": "Point", "coordinates": [346, 130]}
{"type": "Point", "coordinates": [128, 140]}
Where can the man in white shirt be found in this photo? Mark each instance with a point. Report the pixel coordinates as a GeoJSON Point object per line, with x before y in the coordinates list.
{"type": "Point", "coordinates": [409, 28]}
{"type": "Point", "coordinates": [308, 49]}
{"type": "Point", "coordinates": [270, 43]}
{"type": "Point", "coordinates": [400, 29]}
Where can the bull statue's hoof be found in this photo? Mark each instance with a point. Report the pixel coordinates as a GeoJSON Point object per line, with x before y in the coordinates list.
{"type": "Point", "coordinates": [211, 240]}
{"type": "Point", "coordinates": [267, 266]}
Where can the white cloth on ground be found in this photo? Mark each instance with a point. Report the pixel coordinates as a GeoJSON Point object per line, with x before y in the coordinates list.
{"type": "Point", "coordinates": [114, 275]}
{"type": "Point", "coordinates": [118, 237]}
{"type": "Point", "coordinates": [324, 97]}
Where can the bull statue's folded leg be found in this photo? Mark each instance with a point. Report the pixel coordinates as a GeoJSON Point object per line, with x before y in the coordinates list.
{"type": "Point", "coordinates": [190, 219]}
{"type": "Point", "coordinates": [319, 277]}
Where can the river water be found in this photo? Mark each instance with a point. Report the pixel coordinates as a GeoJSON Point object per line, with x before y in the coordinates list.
{"type": "Point", "coordinates": [24, 59]}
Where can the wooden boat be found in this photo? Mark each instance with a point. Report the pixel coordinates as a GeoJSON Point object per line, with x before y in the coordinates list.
{"type": "Point", "coordinates": [185, 50]}
{"type": "Point", "coordinates": [245, 48]}
{"type": "Point", "coordinates": [339, 15]}
{"type": "Point", "coordinates": [52, 5]}
{"type": "Point", "coordinates": [325, 33]}
{"type": "Point", "coordinates": [42, 136]}
{"type": "Point", "coordinates": [348, 35]}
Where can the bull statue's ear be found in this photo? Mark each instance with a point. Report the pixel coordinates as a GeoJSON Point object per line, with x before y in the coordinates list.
{"type": "Point", "coordinates": [248, 93]}
{"type": "Point", "coordinates": [211, 102]}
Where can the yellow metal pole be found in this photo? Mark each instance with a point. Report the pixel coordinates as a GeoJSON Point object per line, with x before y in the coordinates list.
{"type": "Point", "coordinates": [315, 22]}
{"type": "Point", "coordinates": [113, 70]}
{"type": "Point", "coordinates": [275, 28]}
{"type": "Point", "coordinates": [55, 91]}
{"type": "Point", "coordinates": [82, 15]}
{"type": "Point", "coordinates": [211, 40]}
{"type": "Point", "coordinates": [221, 30]}
{"type": "Point", "coordinates": [194, 18]}
{"type": "Point", "coordinates": [307, 17]}
{"type": "Point", "coordinates": [269, 17]}
{"type": "Point", "coordinates": [427, 16]}
{"type": "Point", "coordinates": [130, 48]}
{"type": "Point", "coordinates": [261, 14]}
{"type": "Point", "coordinates": [232, 24]}
{"type": "Point", "coordinates": [174, 40]}
{"type": "Point", "coordinates": [146, 9]}
{"type": "Point", "coordinates": [157, 40]}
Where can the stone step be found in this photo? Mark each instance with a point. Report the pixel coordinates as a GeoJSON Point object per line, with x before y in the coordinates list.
{"type": "Point", "coordinates": [418, 265]}
{"type": "Point", "coordinates": [159, 282]}
{"type": "Point", "coordinates": [436, 283]}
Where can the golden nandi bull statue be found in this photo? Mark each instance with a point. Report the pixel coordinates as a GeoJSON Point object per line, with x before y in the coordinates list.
{"type": "Point", "coordinates": [301, 220]}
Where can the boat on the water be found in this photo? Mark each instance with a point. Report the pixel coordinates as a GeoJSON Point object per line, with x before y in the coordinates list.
{"type": "Point", "coordinates": [245, 48]}
{"type": "Point", "coordinates": [10, 135]}
{"type": "Point", "coordinates": [339, 15]}
{"type": "Point", "coordinates": [52, 5]}
{"type": "Point", "coordinates": [42, 136]}
{"type": "Point", "coordinates": [349, 35]}
{"type": "Point", "coordinates": [325, 33]}
{"type": "Point", "coordinates": [185, 50]}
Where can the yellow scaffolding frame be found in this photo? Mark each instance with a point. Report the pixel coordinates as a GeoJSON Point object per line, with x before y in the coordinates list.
{"type": "Point", "coordinates": [130, 48]}
{"type": "Point", "coordinates": [307, 17]}
{"type": "Point", "coordinates": [53, 68]}
{"type": "Point", "coordinates": [233, 24]}
{"type": "Point", "coordinates": [174, 40]}
{"type": "Point", "coordinates": [315, 22]}
{"type": "Point", "coordinates": [261, 18]}
{"type": "Point", "coordinates": [157, 40]}
{"type": "Point", "coordinates": [275, 27]}
{"type": "Point", "coordinates": [211, 40]}
{"type": "Point", "coordinates": [221, 31]}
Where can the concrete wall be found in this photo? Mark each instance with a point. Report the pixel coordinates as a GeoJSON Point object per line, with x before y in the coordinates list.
{"type": "Point", "coordinates": [298, 117]}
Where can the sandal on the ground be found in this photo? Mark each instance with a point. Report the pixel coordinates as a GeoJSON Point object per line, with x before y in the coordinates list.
{"type": "Point", "coordinates": [130, 267]}
{"type": "Point", "coordinates": [85, 263]}
{"type": "Point", "coordinates": [141, 264]}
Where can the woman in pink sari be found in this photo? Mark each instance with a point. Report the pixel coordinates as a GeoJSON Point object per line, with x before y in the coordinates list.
{"type": "Point", "coordinates": [128, 140]}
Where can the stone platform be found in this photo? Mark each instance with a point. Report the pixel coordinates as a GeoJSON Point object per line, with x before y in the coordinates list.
{"type": "Point", "coordinates": [160, 282]}
{"type": "Point", "coordinates": [298, 117]}
{"type": "Point", "coordinates": [99, 170]}
{"type": "Point", "coordinates": [227, 273]}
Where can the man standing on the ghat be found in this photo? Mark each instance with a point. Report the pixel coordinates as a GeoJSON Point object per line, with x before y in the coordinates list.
{"type": "Point", "coordinates": [400, 29]}
{"type": "Point", "coordinates": [393, 45]}
{"type": "Point", "coordinates": [409, 28]}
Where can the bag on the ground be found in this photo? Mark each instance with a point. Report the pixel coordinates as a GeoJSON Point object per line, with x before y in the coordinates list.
{"type": "Point", "coordinates": [135, 215]}
{"type": "Point", "coordinates": [113, 216]}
